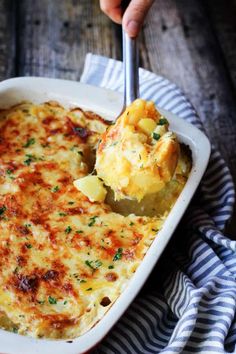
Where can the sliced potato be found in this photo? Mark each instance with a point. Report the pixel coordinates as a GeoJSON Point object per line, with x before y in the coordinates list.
{"type": "Point", "coordinates": [147, 125]}
{"type": "Point", "coordinates": [92, 187]}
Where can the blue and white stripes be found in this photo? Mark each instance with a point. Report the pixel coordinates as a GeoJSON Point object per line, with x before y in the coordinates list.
{"type": "Point", "coordinates": [195, 309]}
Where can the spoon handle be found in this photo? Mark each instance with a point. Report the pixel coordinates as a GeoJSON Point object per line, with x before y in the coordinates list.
{"type": "Point", "coordinates": [130, 64]}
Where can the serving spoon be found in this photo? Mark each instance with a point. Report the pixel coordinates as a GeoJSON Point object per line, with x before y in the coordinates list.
{"type": "Point", "coordinates": [130, 65]}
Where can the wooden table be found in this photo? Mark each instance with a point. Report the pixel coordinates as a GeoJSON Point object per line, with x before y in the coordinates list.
{"type": "Point", "coordinates": [191, 42]}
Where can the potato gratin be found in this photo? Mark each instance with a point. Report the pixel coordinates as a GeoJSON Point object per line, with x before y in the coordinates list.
{"type": "Point", "coordinates": [65, 258]}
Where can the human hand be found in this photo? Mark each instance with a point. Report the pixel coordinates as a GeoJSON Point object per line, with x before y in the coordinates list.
{"type": "Point", "coordinates": [133, 17]}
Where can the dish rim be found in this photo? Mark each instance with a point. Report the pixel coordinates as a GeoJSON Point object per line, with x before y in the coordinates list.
{"type": "Point", "coordinates": [71, 93]}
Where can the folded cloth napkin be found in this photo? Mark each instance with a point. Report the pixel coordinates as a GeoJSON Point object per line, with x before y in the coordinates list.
{"type": "Point", "coordinates": [194, 312]}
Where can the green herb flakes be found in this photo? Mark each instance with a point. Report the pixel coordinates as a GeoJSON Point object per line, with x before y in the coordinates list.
{"type": "Point", "coordinates": [118, 254]}
{"type": "Point", "coordinates": [8, 171]}
{"type": "Point", "coordinates": [30, 158]}
{"type": "Point", "coordinates": [52, 300]}
{"type": "Point", "coordinates": [2, 210]}
{"type": "Point", "coordinates": [163, 121]}
{"type": "Point", "coordinates": [62, 214]}
{"type": "Point", "coordinates": [93, 264]}
{"type": "Point", "coordinates": [92, 221]}
{"type": "Point", "coordinates": [55, 189]}
{"type": "Point", "coordinates": [29, 142]}
{"type": "Point", "coordinates": [156, 136]}
{"type": "Point", "coordinates": [68, 230]}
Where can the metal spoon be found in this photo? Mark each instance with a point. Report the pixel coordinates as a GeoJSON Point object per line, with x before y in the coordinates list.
{"type": "Point", "coordinates": [130, 64]}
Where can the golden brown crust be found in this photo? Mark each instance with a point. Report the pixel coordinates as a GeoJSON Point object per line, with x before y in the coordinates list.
{"type": "Point", "coordinates": [63, 259]}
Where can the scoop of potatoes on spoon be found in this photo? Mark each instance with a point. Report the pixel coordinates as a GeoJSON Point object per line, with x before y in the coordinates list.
{"type": "Point", "coordinates": [138, 154]}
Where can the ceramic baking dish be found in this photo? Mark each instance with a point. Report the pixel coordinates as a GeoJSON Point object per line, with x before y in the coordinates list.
{"type": "Point", "coordinates": [108, 104]}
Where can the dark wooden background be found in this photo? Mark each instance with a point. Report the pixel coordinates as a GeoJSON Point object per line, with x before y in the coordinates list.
{"type": "Point", "coordinates": [191, 42]}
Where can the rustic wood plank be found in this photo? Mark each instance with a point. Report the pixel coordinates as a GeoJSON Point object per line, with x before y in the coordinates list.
{"type": "Point", "coordinates": [7, 39]}
{"type": "Point", "coordinates": [223, 20]}
{"type": "Point", "coordinates": [55, 39]}
{"type": "Point", "coordinates": [180, 45]}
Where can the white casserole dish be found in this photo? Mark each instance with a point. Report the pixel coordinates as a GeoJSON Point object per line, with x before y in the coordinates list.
{"type": "Point", "coordinates": [108, 104]}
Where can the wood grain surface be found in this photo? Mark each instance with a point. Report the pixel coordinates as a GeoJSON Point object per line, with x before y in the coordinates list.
{"type": "Point", "coordinates": [54, 37]}
{"type": "Point", "coordinates": [7, 39]}
{"type": "Point", "coordinates": [191, 42]}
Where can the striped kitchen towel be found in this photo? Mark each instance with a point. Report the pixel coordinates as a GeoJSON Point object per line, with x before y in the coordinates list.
{"type": "Point", "coordinates": [194, 311]}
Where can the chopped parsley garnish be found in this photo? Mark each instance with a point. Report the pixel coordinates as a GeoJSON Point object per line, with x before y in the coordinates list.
{"type": "Point", "coordinates": [28, 245]}
{"type": "Point", "coordinates": [93, 264]}
{"type": "Point", "coordinates": [2, 210]}
{"type": "Point", "coordinates": [65, 302]}
{"type": "Point", "coordinates": [131, 223]}
{"type": "Point", "coordinates": [68, 230]}
{"type": "Point", "coordinates": [89, 264]}
{"type": "Point", "coordinates": [79, 231]}
{"type": "Point", "coordinates": [29, 142]}
{"type": "Point", "coordinates": [92, 221]}
{"type": "Point", "coordinates": [110, 267]}
{"type": "Point", "coordinates": [156, 136]}
{"type": "Point", "coordinates": [27, 225]}
{"type": "Point", "coordinates": [76, 275]}
{"type": "Point", "coordinates": [55, 189]}
{"type": "Point", "coordinates": [8, 171]}
{"type": "Point", "coordinates": [30, 158]}
{"type": "Point", "coordinates": [71, 203]}
{"type": "Point", "coordinates": [163, 121]}
{"type": "Point", "coordinates": [89, 289]}
{"type": "Point", "coordinates": [62, 214]}
{"type": "Point", "coordinates": [15, 330]}
{"type": "Point", "coordinates": [118, 254]}
{"type": "Point", "coordinates": [52, 300]}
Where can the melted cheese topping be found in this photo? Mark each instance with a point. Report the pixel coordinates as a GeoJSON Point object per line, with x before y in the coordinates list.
{"type": "Point", "coordinates": [64, 259]}
{"type": "Point", "coordinates": [137, 155]}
